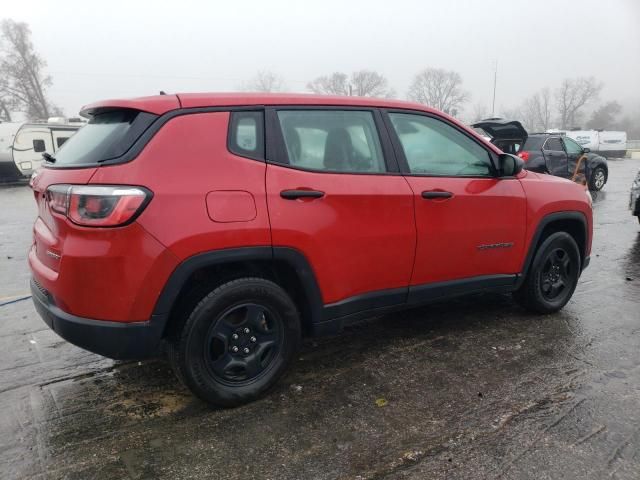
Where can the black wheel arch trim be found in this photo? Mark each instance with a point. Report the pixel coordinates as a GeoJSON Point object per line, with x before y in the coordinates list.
{"type": "Point", "coordinates": [535, 240]}
{"type": "Point", "coordinates": [292, 257]}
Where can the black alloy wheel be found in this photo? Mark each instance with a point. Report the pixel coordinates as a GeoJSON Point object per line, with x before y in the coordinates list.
{"type": "Point", "coordinates": [242, 343]}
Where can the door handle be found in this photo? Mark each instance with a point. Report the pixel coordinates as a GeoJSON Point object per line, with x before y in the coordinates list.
{"type": "Point", "coordinates": [432, 194]}
{"type": "Point", "coordinates": [295, 194]}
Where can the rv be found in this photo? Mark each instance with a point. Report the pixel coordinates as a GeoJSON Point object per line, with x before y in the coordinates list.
{"type": "Point", "coordinates": [22, 144]}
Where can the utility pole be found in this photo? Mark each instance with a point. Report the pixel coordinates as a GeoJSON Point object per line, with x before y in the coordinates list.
{"type": "Point", "coordinates": [495, 80]}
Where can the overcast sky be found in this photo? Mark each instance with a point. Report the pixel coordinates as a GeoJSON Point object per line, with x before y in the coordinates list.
{"type": "Point", "coordinates": [97, 50]}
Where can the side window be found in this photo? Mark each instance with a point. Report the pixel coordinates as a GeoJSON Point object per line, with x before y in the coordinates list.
{"type": "Point", "coordinates": [433, 147]}
{"type": "Point", "coordinates": [246, 134]}
{"type": "Point", "coordinates": [553, 145]}
{"type": "Point", "coordinates": [38, 146]}
{"type": "Point", "coordinates": [332, 140]}
{"type": "Point", "coordinates": [572, 147]}
{"type": "Point", "coordinates": [60, 141]}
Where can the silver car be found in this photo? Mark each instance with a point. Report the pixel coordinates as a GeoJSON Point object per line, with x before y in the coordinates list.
{"type": "Point", "coordinates": [634, 199]}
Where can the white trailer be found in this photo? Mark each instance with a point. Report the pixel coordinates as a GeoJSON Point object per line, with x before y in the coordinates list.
{"type": "Point", "coordinates": [22, 145]}
{"type": "Point", "coordinates": [607, 143]}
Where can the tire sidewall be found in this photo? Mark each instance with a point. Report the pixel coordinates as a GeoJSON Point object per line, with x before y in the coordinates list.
{"type": "Point", "coordinates": [192, 345]}
{"type": "Point", "coordinates": [556, 240]}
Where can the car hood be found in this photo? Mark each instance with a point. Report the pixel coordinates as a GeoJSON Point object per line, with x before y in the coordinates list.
{"type": "Point", "coordinates": [502, 129]}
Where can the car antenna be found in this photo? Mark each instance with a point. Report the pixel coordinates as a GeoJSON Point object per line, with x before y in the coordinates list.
{"type": "Point", "coordinates": [162, 92]}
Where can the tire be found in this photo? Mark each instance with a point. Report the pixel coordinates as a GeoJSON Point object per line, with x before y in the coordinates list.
{"type": "Point", "coordinates": [553, 275]}
{"type": "Point", "coordinates": [597, 179]}
{"type": "Point", "coordinates": [209, 356]}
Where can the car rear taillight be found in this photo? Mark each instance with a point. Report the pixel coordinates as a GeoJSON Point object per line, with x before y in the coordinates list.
{"type": "Point", "coordinates": [524, 156]}
{"type": "Point", "coordinates": [97, 205]}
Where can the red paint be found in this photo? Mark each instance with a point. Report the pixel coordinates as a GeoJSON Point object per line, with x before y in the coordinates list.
{"type": "Point", "coordinates": [481, 212]}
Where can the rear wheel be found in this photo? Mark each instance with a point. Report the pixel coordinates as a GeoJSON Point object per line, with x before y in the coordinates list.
{"type": "Point", "coordinates": [237, 342]}
{"type": "Point", "coordinates": [553, 275]}
{"type": "Point", "coordinates": [598, 179]}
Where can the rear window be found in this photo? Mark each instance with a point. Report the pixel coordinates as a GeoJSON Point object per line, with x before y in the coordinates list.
{"type": "Point", "coordinates": [107, 136]}
{"type": "Point", "coordinates": [533, 143]}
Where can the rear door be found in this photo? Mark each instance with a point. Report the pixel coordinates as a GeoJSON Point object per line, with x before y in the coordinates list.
{"type": "Point", "coordinates": [555, 157]}
{"type": "Point", "coordinates": [335, 194]}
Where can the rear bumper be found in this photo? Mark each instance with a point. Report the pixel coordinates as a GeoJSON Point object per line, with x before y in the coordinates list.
{"type": "Point", "coordinates": [117, 340]}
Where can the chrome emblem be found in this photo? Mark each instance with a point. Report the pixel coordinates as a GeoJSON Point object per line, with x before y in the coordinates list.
{"type": "Point", "coordinates": [490, 246]}
{"type": "Point", "coordinates": [53, 255]}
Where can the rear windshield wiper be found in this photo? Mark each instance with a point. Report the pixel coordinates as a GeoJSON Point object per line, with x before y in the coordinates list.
{"type": "Point", "coordinates": [48, 157]}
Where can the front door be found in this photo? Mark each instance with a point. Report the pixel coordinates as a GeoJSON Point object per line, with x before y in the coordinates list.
{"type": "Point", "coordinates": [332, 195]}
{"type": "Point", "coordinates": [556, 157]}
{"type": "Point", "coordinates": [470, 223]}
{"type": "Point", "coordinates": [576, 161]}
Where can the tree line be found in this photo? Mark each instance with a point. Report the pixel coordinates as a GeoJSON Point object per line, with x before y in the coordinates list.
{"type": "Point", "coordinates": [24, 83]}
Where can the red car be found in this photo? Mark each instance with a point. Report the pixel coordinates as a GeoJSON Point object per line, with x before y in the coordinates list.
{"type": "Point", "coordinates": [227, 226]}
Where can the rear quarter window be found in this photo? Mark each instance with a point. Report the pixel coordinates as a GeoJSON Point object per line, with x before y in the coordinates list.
{"type": "Point", "coordinates": [533, 143]}
{"type": "Point", "coordinates": [107, 136]}
{"type": "Point", "coordinates": [246, 134]}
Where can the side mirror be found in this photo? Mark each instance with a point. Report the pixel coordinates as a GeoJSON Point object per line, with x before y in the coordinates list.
{"type": "Point", "coordinates": [509, 165]}
{"type": "Point", "coordinates": [586, 150]}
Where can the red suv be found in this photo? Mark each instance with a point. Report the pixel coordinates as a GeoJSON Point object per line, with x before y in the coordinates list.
{"type": "Point", "coordinates": [227, 226]}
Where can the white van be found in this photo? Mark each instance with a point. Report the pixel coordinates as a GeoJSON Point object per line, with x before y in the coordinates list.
{"type": "Point", "coordinates": [607, 143]}
{"type": "Point", "coordinates": [22, 145]}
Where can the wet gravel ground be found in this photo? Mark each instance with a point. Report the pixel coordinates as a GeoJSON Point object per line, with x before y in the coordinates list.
{"type": "Point", "coordinates": [473, 388]}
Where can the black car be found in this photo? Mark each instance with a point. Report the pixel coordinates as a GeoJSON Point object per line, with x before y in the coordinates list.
{"type": "Point", "coordinates": [550, 153]}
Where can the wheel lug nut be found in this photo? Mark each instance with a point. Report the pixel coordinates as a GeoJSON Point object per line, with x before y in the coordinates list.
{"type": "Point", "coordinates": [246, 350]}
{"type": "Point", "coordinates": [253, 339]}
{"type": "Point", "coordinates": [234, 349]}
{"type": "Point", "coordinates": [234, 336]}
{"type": "Point", "coordinates": [246, 330]}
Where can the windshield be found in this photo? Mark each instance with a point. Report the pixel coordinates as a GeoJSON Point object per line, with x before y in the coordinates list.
{"type": "Point", "coordinates": [107, 135]}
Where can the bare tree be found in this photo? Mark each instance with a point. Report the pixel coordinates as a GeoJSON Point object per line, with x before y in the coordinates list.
{"type": "Point", "coordinates": [537, 111]}
{"type": "Point", "coordinates": [363, 83]}
{"type": "Point", "coordinates": [438, 88]}
{"type": "Point", "coordinates": [334, 84]}
{"type": "Point", "coordinates": [265, 81]}
{"type": "Point", "coordinates": [480, 112]}
{"type": "Point", "coordinates": [5, 109]}
{"type": "Point", "coordinates": [23, 83]}
{"type": "Point", "coordinates": [572, 96]}
{"type": "Point", "coordinates": [606, 116]}
{"type": "Point", "coordinates": [367, 83]}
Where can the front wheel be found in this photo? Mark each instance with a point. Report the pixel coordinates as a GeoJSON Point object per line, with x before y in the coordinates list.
{"type": "Point", "coordinates": [237, 342]}
{"type": "Point", "coordinates": [553, 275]}
{"type": "Point", "coordinates": [598, 179]}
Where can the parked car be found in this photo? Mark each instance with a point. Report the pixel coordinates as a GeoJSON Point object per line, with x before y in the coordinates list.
{"type": "Point", "coordinates": [224, 227]}
{"type": "Point", "coordinates": [634, 197]}
{"type": "Point", "coordinates": [22, 145]}
{"type": "Point", "coordinates": [552, 153]}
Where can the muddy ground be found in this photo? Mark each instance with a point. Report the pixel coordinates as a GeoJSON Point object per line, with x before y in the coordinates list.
{"type": "Point", "coordinates": [473, 388]}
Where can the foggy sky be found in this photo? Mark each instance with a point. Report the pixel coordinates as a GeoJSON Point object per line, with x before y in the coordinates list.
{"type": "Point", "coordinates": [97, 50]}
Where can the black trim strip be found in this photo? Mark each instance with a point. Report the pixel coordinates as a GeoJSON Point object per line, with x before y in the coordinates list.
{"type": "Point", "coordinates": [419, 294]}
{"type": "Point", "coordinates": [365, 302]}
